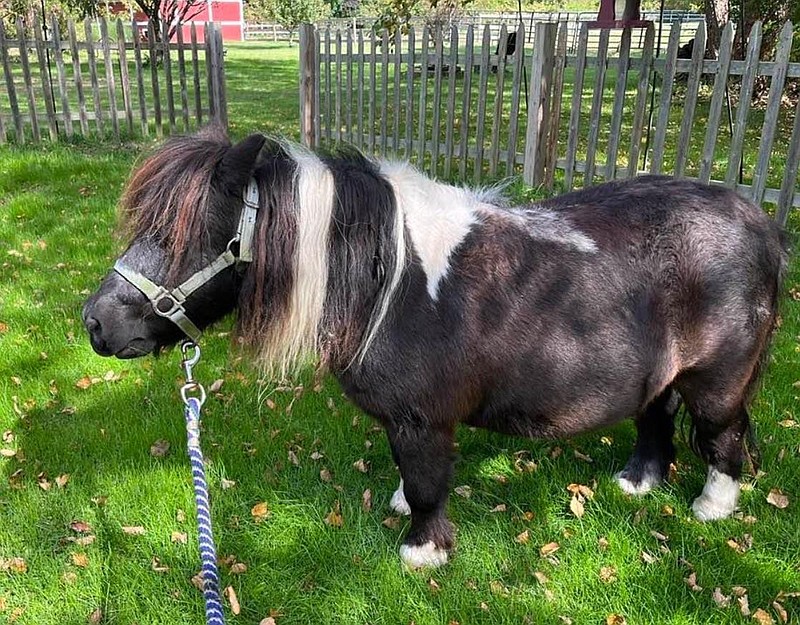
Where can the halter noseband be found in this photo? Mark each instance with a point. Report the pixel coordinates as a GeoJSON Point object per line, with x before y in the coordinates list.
{"type": "Point", "coordinates": [169, 302]}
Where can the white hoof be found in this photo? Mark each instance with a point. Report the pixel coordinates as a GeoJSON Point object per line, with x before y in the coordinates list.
{"type": "Point", "coordinates": [426, 555]}
{"type": "Point", "coordinates": [398, 502]}
{"type": "Point", "coordinates": [718, 499]}
{"type": "Point", "coordinates": [648, 483]}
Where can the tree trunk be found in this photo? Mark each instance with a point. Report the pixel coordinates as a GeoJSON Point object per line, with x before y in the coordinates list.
{"type": "Point", "coordinates": [717, 15]}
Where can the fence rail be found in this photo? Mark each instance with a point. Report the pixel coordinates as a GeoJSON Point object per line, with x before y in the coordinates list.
{"type": "Point", "coordinates": [456, 105]}
{"type": "Point", "coordinates": [97, 78]}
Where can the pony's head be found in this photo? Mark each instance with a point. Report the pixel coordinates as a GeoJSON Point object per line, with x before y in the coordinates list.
{"type": "Point", "coordinates": [180, 212]}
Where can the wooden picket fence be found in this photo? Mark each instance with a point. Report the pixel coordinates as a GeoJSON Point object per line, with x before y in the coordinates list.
{"type": "Point", "coordinates": [459, 108]}
{"type": "Point", "coordinates": [90, 80]}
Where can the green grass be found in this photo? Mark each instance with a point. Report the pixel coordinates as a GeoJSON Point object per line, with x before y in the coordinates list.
{"type": "Point", "coordinates": [56, 220]}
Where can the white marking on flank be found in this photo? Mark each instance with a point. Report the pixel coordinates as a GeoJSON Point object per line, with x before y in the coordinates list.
{"type": "Point", "coordinates": [398, 502]}
{"type": "Point", "coordinates": [543, 223]}
{"type": "Point", "coordinates": [313, 205]}
{"type": "Point", "coordinates": [438, 217]}
{"type": "Point", "coordinates": [418, 556]}
{"type": "Point", "coordinates": [719, 497]}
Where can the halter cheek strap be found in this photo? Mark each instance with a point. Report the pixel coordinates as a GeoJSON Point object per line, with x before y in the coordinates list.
{"type": "Point", "coordinates": [169, 303]}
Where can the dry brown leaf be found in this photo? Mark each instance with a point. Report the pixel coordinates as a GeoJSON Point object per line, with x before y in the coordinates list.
{"type": "Point", "coordinates": [238, 568]}
{"type": "Point", "coordinates": [581, 489]}
{"type": "Point", "coordinates": [315, 455]}
{"type": "Point", "coordinates": [584, 457]}
{"type": "Point", "coordinates": [84, 541]}
{"type": "Point", "coordinates": [565, 619]}
{"type": "Point", "coordinates": [8, 453]}
{"type": "Point", "coordinates": [433, 585]}
{"type": "Point", "coordinates": [133, 530]}
{"type": "Point", "coordinates": [648, 558]}
{"type": "Point", "coordinates": [722, 600]}
{"type": "Point", "coordinates": [96, 617]}
{"type": "Point", "coordinates": [659, 536]}
{"type": "Point", "coordinates": [366, 500]}
{"type": "Point", "coordinates": [762, 617]}
{"type": "Point", "coordinates": [548, 549]}
{"type": "Point", "coordinates": [744, 605]}
{"type": "Point", "coordinates": [84, 383]}
{"type": "Point", "coordinates": [160, 448]}
{"type": "Point", "coordinates": [334, 517]}
{"type": "Point", "coordinates": [325, 475]}
{"type": "Point", "coordinates": [783, 616]}
{"type": "Point", "coordinates": [361, 466]}
{"type": "Point", "coordinates": [739, 591]}
{"type": "Point", "coordinates": [293, 458]}
{"type": "Point", "coordinates": [216, 385]}
{"type": "Point", "coordinates": [540, 577]}
{"type": "Point", "coordinates": [80, 527]}
{"type": "Point", "coordinates": [230, 594]}
{"type": "Point", "coordinates": [523, 538]}
{"type": "Point", "coordinates": [615, 619]}
{"type": "Point", "coordinates": [777, 498]}
{"type": "Point", "coordinates": [691, 582]}
{"type": "Point", "coordinates": [197, 582]}
{"type": "Point", "coordinates": [80, 560]}
{"type": "Point", "coordinates": [464, 491]}
{"type": "Point", "coordinates": [62, 480]}
{"type": "Point", "coordinates": [576, 506]}
{"type": "Point", "coordinates": [227, 484]}
{"type": "Point", "coordinates": [603, 543]}
{"type": "Point", "coordinates": [267, 621]}
{"type": "Point", "coordinates": [608, 574]}
{"type": "Point", "coordinates": [158, 566]}
{"type": "Point", "coordinates": [501, 507]}
{"type": "Point", "coordinates": [15, 565]}
{"type": "Point", "coordinates": [392, 522]}
{"type": "Point", "coordinates": [497, 588]}
{"type": "Point", "coordinates": [260, 512]}
{"type": "Point", "coordinates": [179, 537]}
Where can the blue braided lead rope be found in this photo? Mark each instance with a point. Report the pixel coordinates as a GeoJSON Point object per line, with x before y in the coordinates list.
{"type": "Point", "coordinates": [208, 553]}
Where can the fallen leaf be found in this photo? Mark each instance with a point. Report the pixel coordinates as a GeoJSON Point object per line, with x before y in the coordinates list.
{"type": "Point", "coordinates": [3, 327]}
{"type": "Point", "coordinates": [80, 560]}
{"type": "Point", "coordinates": [648, 558]}
{"type": "Point", "coordinates": [230, 594]}
{"type": "Point", "coordinates": [84, 383]}
{"type": "Point", "coordinates": [464, 491]}
{"type": "Point", "coordinates": [497, 588]}
{"type": "Point", "coordinates": [366, 500]}
{"type": "Point", "coordinates": [548, 549]}
{"type": "Point", "coordinates": [777, 498]}
{"type": "Point", "coordinates": [260, 512]}
{"type": "Point", "coordinates": [722, 600]}
{"type": "Point", "coordinates": [80, 527]}
{"type": "Point", "coordinates": [133, 530]}
{"type": "Point", "coordinates": [392, 522]}
{"type": "Point", "coordinates": [762, 617]}
{"type": "Point", "coordinates": [16, 380]}
{"type": "Point", "coordinates": [576, 506]}
{"type": "Point", "coordinates": [540, 577]}
{"type": "Point", "coordinates": [84, 541]}
{"type": "Point", "coordinates": [238, 568]}
{"type": "Point", "coordinates": [62, 480]}
{"type": "Point", "coordinates": [293, 458]}
{"type": "Point", "coordinates": [501, 507]}
{"type": "Point", "coordinates": [226, 484]}
{"type": "Point", "coordinates": [783, 616]}
{"type": "Point", "coordinates": [608, 574]}
{"type": "Point", "coordinates": [315, 455]}
{"type": "Point", "coordinates": [744, 605]}
{"type": "Point", "coordinates": [433, 585]}
{"type": "Point", "coordinates": [179, 537]}
{"type": "Point", "coordinates": [197, 582]}
{"type": "Point", "coordinates": [581, 489]}
{"type": "Point", "coordinates": [523, 538]}
{"type": "Point", "coordinates": [325, 475]}
{"type": "Point", "coordinates": [583, 457]}
{"type": "Point", "coordinates": [96, 617]}
{"type": "Point", "coordinates": [267, 621]}
{"type": "Point", "coordinates": [659, 535]}
{"type": "Point", "coordinates": [615, 619]}
{"type": "Point", "coordinates": [361, 466]}
{"type": "Point", "coordinates": [180, 516]}
{"type": "Point", "coordinates": [739, 591]}
{"type": "Point", "coordinates": [691, 582]}
{"type": "Point", "coordinates": [158, 566]}
{"type": "Point", "coordinates": [160, 448]}
{"type": "Point", "coordinates": [565, 619]}
{"type": "Point", "coordinates": [334, 517]}
{"type": "Point", "coordinates": [216, 385]}
{"type": "Point", "coordinates": [603, 543]}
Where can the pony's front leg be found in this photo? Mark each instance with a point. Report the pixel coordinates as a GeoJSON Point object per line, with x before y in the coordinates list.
{"type": "Point", "coordinates": [425, 458]}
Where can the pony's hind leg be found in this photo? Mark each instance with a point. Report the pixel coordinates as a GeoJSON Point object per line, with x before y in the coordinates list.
{"type": "Point", "coordinates": [649, 464]}
{"type": "Point", "coordinates": [425, 458]}
{"type": "Point", "coordinates": [720, 442]}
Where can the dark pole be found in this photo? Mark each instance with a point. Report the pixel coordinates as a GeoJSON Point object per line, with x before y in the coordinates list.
{"type": "Point", "coordinates": [522, 43]}
{"type": "Point", "coordinates": [49, 69]}
{"type": "Point", "coordinates": [653, 89]}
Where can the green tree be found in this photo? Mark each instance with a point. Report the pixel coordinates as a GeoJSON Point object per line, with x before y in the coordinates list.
{"type": "Point", "coordinates": [291, 13]}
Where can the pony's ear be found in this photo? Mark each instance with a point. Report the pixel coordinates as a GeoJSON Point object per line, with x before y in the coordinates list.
{"type": "Point", "coordinates": [238, 163]}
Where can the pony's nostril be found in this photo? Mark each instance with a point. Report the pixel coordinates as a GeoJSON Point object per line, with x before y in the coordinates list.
{"type": "Point", "coordinates": [92, 324]}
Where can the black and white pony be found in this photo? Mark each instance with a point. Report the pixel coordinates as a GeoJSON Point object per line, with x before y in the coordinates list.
{"type": "Point", "coordinates": [436, 305]}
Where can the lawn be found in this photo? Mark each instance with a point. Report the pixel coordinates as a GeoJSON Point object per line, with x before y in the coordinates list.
{"type": "Point", "coordinates": [96, 517]}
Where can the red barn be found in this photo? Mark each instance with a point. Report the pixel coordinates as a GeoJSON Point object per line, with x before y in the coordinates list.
{"type": "Point", "coordinates": [229, 14]}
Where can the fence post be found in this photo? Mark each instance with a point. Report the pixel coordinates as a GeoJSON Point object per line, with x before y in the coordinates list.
{"type": "Point", "coordinates": [308, 80]}
{"type": "Point", "coordinates": [544, 40]}
{"type": "Point", "coordinates": [222, 101]}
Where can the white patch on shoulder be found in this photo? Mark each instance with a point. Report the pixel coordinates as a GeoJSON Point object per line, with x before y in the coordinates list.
{"type": "Point", "coordinates": [649, 481]}
{"type": "Point", "coordinates": [543, 223]}
{"type": "Point", "coordinates": [438, 216]}
{"type": "Point", "coordinates": [398, 502]}
{"type": "Point", "coordinates": [426, 555]}
{"type": "Point", "coordinates": [719, 497]}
